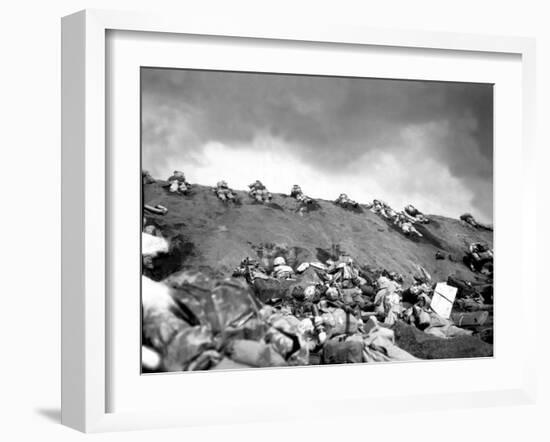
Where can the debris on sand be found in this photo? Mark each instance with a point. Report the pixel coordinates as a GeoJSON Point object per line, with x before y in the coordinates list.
{"type": "Point", "coordinates": [275, 315]}
{"type": "Point", "coordinates": [304, 299]}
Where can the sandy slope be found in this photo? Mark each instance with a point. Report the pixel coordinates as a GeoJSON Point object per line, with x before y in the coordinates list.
{"type": "Point", "coordinates": [217, 235]}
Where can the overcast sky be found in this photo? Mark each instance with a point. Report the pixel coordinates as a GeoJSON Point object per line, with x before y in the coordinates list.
{"type": "Point", "coordinates": [425, 143]}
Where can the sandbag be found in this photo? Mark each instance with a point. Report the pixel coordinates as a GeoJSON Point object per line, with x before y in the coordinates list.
{"type": "Point", "coordinates": [444, 328]}
{"type": "Point", "coordinates": [379, 344]}
{"type": "Point", "coordinates": [254, 329]}
{"type": "Point", "coordinates": [286, 336]}
{"type": "Point", "coordinates": [228, 305]}
{"type": "Point", "coordinates": [470, 319]}
{"type": "Point", "coordinates": [343, 350]}
{"type": "Point", "coordinates": [447, 331]}
{"type": "Point", "coordinates": [339, 322]}
{"type": "Point", "coordinates": [351, 296]}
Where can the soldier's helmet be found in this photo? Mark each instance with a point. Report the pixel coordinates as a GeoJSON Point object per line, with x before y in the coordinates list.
{"type": "Point", "coordinates": [279, 261]}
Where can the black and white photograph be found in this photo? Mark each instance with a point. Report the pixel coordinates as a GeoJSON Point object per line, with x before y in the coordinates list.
{"type": "Point", "coordinates": [297, 220]}
{"type": "Point", "coordinates": [250, 221]}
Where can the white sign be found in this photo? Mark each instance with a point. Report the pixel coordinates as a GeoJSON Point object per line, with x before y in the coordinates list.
{"type": "Point", "coordinates": [443, 299]}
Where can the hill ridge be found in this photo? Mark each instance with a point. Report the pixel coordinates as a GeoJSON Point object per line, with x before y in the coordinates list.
{"type": "Point", "coordinates": [217, 235]}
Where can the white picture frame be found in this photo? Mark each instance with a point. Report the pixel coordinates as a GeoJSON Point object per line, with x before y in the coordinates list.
{"type": "Point", "coordinates": [85, 198]}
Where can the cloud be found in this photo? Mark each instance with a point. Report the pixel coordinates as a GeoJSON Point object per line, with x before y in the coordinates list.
{"type": "Point", "coordinates": [407, 140]}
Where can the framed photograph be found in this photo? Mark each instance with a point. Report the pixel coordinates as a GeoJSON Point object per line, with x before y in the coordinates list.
{"type": "Point", "coordinates": [252, 212]}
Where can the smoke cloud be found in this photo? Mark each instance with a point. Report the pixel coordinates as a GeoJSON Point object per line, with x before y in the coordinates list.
{"type": "Point", "coordinates": [419, 142]}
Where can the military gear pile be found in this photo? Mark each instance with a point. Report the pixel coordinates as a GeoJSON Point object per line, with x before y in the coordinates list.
{"type": "Point", "coordinates": [282, 309]}
{"type": "Point", "coordinates": [259, 193]}
{"type": "Point", "coordinates": [344, 201]}
{"type": "Point", "coordinates": [404, 220]}
{"type": "Point", "coordinates": [223, 192]}
{"type": "Point", "coordinates": [296, 192]}
{"type": "Point", "coordinates": [479, 258]}
{"type": "Point", "coordinates": [279, 316]}
{"type": "Point", "coordinates": [178, 183]}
